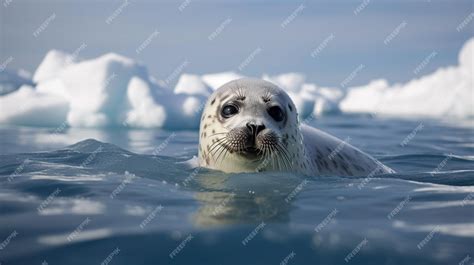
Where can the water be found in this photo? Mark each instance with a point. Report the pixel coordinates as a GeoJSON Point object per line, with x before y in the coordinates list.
{"type": "Point", "coordinates": [129, 197]}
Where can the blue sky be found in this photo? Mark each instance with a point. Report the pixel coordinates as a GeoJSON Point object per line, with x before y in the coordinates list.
{"type": "Point", "coordinates": [424, 27]}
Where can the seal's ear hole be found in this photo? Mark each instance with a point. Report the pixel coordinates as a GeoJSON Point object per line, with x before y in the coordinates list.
{"type": "Point", "coordinates": [289, 107]}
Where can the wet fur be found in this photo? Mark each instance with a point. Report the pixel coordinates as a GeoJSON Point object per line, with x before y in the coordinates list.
{"type": "Point", "coordinates": [289, 146]}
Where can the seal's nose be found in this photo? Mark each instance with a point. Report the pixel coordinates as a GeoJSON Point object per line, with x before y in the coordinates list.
{"type": "Point", "coordinates": [254, 129]}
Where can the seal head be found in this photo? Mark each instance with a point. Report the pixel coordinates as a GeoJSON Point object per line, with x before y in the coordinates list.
{"type": "Point", "coordinates": [252, 125]}
{"type": "Point", "coordinates": [249, 125]}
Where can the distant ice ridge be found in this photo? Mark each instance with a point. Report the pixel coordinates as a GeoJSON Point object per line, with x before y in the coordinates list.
{"type": "Point", "coordinates": [113, 90]}
{"type": "Point", "coordinates": [110, 90]}
{"type": "Point", "coordinates": [448, 91]}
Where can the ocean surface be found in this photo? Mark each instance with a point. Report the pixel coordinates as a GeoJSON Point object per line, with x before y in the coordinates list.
{"type": "Point", "coordinates": [129, 196]}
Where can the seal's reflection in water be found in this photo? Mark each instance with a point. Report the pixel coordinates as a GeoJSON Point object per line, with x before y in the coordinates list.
{"type": "Point", "coordinates": [243, 198]}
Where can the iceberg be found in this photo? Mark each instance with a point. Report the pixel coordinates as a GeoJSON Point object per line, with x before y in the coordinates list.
{"type": "Point", "coordinates": [26, 106]}
{"type": "Point", "coordinates": [309, 99]}
{"type": "Point", "coordinates": [216, 80]}
{"type": "Point", "coordinates": [192, 85]}
{"type": "Point", "coordinates": [110, 90]}
{"type": "Point", "coordinates": [449, 91]}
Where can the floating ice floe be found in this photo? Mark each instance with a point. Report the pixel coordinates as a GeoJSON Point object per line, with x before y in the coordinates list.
{"type": "Point", "coordinates": [113, 90]}
{"type": "Point", "coordinates": [309, 99]}
{"type": "Point", "coordinates": [110, 90]}
{"type": "Point", "coordinates": [449, 91]}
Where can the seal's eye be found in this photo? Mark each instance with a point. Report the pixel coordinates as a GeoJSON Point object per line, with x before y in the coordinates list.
{"type": "Point", "coordinates": [229, 110]}
{"type": "Point", "coordinates": [276, 113]}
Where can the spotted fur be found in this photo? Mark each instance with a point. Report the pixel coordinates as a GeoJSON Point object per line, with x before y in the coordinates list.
{"type": "Point", "coordinates": [304, 149]}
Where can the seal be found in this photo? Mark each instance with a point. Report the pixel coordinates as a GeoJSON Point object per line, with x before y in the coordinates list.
{"type": "Point", "coordinates": [251, 125]}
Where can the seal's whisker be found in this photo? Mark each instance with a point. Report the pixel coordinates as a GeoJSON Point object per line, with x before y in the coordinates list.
{"type": "Point", "coordinates": [225, 155]}
{"type": "Point", "coordinates": [227, 151]}
{"type": "Point", "coordinates": [259, 153]}
{"type": "Point", "coordinates": [272, 155]}
{"type": "Point", "coordinates": [216, 144]}
{"type": "Point", "coordinates": [219, 150]}
{"type": "Point", "coordinates": [265, 155]}
{"type": "Point", "coordinates": [281, 157]}
{"type": "Point", "coordinates": [253, 124]}
{"type": "Point", "coordinates": [216, 147]}
{"type": "Point", "coordinates": [224, 149]}
{"type": "Point", "coordinates": [264, 158]}
{"type": "Point", "coordinates": [277, 160]}
{"type": "Point", "coordinates": [285, 157]}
